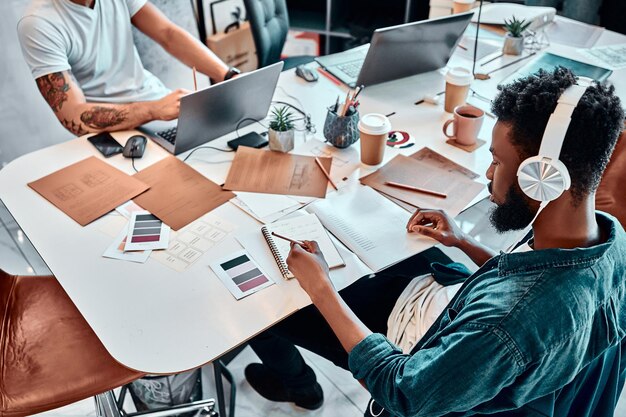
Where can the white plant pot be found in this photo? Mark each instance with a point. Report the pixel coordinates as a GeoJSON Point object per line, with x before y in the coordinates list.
{"type": "Point", "coordinates": [281, 141]}
{"type": "Point", "coordinates": [513, 45]}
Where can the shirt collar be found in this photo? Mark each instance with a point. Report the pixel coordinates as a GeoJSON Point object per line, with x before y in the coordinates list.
{"type": "Point", "coordinates": [512, 263]}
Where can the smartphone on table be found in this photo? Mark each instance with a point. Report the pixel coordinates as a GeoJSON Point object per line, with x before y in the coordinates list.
{"type": "Point", "coordinates": [106, 144]}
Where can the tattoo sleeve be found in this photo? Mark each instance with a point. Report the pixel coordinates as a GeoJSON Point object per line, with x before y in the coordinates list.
{"type": "Point", "coordinates": [75, 128]}
{"type": "Point", "coordinates": [103, 117]}
{"type": "Point", "coordinates": [53, 88]}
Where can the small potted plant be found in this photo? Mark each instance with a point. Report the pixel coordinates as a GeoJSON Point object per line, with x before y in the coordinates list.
{"type": "Point", "coordinates": [281, 130]}
{"type": "Point", "coordinates": [514, 39]}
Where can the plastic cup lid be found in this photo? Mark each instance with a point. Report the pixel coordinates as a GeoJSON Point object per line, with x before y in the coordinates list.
{"type": "Point", "coordinates": [459, 76]}
{"type": "Point", "coordinates": [464, 1]}
{"type": "Point", "coordinates": [374, 124]}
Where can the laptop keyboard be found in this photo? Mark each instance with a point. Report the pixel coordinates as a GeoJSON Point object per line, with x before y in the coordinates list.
{"type": "Point", "coordinates": [169, 134]}
{"type": "Point", "coordinates": [351, 68]}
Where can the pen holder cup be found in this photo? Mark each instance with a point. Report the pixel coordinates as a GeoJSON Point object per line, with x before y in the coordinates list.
{"type": "Point", "coordinates": [341, 131]}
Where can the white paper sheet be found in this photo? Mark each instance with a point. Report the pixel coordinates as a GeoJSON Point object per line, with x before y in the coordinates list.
{"type": "Point", "coordinates": [116, 250]}
{"type": "Point", "coordinates": [370, 225]}
{"type": "Point", "coordinates": [612, 57]}
{"type": "Point", "coordinates": [194, 240]}
{"type": "Point", "coordinates": [266, 205]}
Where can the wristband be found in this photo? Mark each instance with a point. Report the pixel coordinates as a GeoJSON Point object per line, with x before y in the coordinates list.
{"type": "Point", "coordinates": [232, 71]}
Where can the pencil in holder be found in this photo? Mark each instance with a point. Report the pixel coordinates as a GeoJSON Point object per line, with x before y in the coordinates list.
{"type": "Point", "coordinates": [341, 131]}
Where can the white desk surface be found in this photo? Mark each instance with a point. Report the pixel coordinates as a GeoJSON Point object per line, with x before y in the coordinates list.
{"type": "Point", "coordinates": [153, 319]}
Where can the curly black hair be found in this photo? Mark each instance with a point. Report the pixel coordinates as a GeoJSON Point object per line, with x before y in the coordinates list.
{"type": "Point", "coordinates": [526, 105]}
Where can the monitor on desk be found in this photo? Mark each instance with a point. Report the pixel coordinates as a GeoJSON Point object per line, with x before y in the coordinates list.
{"type": "Point", "coordinates": [399, 51]}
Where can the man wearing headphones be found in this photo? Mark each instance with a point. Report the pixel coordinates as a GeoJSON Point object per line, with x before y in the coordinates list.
{"type": "Point", "coordinates": [537, 331]}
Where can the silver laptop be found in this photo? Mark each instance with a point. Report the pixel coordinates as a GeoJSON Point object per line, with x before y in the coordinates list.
{"type": "Point", "coordinates": [217, 110]}
{"type": "Point", "coordinates": [399, 51]}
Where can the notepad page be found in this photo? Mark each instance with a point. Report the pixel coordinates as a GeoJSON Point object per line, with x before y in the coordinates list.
{"type": "Point", "coordinates": [307, 227]}
{"type": "Point", "coordinates": [370, 225]}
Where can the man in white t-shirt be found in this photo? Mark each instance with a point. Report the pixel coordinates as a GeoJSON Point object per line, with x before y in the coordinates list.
{"type": "Point", "coordinates": [82, 56]}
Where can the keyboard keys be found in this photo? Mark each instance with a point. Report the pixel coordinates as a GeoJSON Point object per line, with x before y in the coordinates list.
{"type": "Point", "coordinates": [351, 68]}
{"type": "Point", "coordinates": [169, 135]}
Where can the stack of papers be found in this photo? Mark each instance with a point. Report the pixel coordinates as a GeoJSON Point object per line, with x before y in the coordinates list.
{"type": "Point", "coordinates": [427, 170]}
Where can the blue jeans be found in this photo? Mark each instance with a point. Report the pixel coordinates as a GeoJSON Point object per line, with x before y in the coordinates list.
{"type": "Point", "coordinates": [582, 10]}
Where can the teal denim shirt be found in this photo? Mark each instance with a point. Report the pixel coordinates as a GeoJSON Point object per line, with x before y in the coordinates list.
{"type": "Point", "coordinates": [537, 333]}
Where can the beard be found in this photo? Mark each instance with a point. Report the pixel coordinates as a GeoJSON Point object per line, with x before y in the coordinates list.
{"type": "Point", "coordinates": [514, 214]}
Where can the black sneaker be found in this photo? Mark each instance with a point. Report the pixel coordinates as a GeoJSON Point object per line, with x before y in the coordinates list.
{"type": "Point", "coordinates": [271, 387]}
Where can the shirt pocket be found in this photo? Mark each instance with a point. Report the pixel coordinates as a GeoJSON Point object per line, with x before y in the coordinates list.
{"type": "Point", "coordinates": [449, 315]}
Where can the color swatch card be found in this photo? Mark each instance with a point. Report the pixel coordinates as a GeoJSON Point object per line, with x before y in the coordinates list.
{"type": "Point", "coordinates": [146, 232]}
{"type": "Point", "coordinates": [241, 275]}
{"type": "Point", "coordinates": [116, 250]}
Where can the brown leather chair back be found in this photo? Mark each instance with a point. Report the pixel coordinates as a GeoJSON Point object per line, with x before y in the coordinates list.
{"type": "Point", "coordinates": [49, 356]}
{"type": "Point", "coordinates": [611, 194]}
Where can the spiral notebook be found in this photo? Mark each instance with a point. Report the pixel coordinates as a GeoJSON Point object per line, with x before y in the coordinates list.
{"type": "Point", "coordinates": [307, 227]}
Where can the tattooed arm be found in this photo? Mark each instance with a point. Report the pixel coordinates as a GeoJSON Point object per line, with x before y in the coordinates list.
{"type": "Point", "coordinates": [67, 100]}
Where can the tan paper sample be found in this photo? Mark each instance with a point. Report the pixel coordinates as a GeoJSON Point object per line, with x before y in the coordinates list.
{"type": "Point", "coordinates": [88, 189]}
{"type": "Point", "coordinates": [178, 193]}
{"type": "Point", "coordinates": [459, 189]}
{"type": "Point", "coordinates": [269, 172]}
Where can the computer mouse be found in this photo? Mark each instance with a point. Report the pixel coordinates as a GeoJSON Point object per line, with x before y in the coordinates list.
{"type": "Point", "coordinates": [306, 73]}
{"type": "Point", "coordinates": [135, 146]}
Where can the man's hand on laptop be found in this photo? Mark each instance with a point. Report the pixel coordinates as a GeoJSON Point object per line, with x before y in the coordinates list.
{"type": "Point", "coordinates": [168, 107]}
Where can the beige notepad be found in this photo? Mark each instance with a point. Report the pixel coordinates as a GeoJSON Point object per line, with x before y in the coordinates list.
{"type": "Point", "coordinates": [307, 227]}
{"type": "Point", "coordinates": [88, 189]}
{"type": "Point", "coordinates": [269, 172]}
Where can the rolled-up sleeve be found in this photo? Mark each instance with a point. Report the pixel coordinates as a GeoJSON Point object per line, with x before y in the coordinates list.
{"type": "Point", "coordinates": [464, 370]}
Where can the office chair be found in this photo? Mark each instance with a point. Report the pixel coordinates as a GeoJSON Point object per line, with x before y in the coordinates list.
{"type": "Point", "coordinates": [269, 22]}
{"type": "Point", "coordinates": [50, 357]}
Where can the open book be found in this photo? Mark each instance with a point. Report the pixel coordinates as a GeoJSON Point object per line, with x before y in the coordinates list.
{"type": "Point", "coordinates": [370, 225]}
{"type": "Point", "coordinates": [306, 227]}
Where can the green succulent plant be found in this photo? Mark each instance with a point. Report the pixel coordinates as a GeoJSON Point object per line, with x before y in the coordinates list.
{"type": "Point", "coordinates": [516, 27]}
{"type": "Point", "coordinates": [282, 119]}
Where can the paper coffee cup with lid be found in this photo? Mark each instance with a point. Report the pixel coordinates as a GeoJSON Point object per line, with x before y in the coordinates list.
{"type": "Point", "coordinates": [374, 130]}
{"type": "Point", "coordinates": [461, 6]}
{"type": "Point", "coordinates": [458, 80]}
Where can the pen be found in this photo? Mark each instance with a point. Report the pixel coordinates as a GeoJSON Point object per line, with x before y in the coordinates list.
{"type": "Point", "coordinates": [337, 105]}
{"type": "Point", "coordinates": [297, 242]}
{"type": "Point", "coordinates": [329, 76]}
{"type": "Point", "coordinates": [195, 82]}
{"type": "Point", "coordinates": [411, 188]}
{"type": "Point", "coordinates": [492, 59]}
{"type": "Point", "coordinates": [358, 91]}
{"type": "Point", "coordinates": [511, 63]}
{"type": "Point", "coordinates": [319, 164]}
{"type": "Point", "coordinates": [346, 103]}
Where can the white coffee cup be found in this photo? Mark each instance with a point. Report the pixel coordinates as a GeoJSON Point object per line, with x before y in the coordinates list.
{"type": "Point", "coordinates": [374, 131]}
{"type": "Point", "coordinates": [458, 80]}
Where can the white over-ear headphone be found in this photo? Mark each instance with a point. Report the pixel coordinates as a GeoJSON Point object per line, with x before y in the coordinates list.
{"type": "Point", "coordinates": [544, 177]}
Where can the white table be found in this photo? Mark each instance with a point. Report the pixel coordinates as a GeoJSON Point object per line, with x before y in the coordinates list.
{"type": "Point", "coordinates": [153, 319]}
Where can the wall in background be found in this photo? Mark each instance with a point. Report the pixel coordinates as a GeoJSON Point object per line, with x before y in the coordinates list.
{"type": "Point", "coordinates": [26, 121]}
